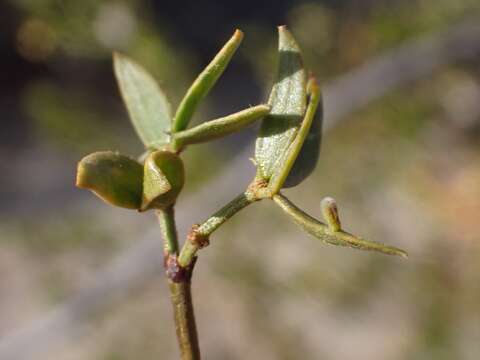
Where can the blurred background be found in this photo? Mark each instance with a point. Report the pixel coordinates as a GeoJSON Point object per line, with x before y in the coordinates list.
{"type": "Point", "coordinates": [401, 154]}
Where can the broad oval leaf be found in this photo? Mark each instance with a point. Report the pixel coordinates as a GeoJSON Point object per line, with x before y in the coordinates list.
{"type": "Point", "coordinates": [308, 157]}
{"type": "Point", "coordinates": [163, 179]}
{"type": "Point", "coordinates": [114, 178]}
{"type": "Point", "coordinates": [288, 100]}
{"type": "Point", "coordinates": [146, 103]}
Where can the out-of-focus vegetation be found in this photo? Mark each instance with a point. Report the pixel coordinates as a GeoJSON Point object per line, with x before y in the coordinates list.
{"type": "Point", "coordinates": [405, 170]}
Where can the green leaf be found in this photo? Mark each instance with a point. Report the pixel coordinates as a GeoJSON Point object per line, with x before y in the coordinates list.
{"type": "Point", "coordinates": [114, 178]}
{"type": "Point", "coordinates": [327, 233]}
{"type": "Point", "coordinates": [147, 105]}
{"type": "Point", "coordinates": [217, 128]}
{"type": "Point", "coordinates": [308, 157]}
{"type": "Point", "coordinates": [164, 177]}
{"type": "Point", "coordinates": [288, 100]}
{"type": "Point", "coordinates": [204, 82]}
{"type": "Point", "coordinates": [291, 155]}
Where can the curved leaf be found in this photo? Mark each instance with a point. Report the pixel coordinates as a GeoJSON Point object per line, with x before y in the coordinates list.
{"type": "Point", "coordinates": [308, 157]}
{"type": "Point", "coordinates": [288, 100]}
{"type": "Point", "coordinates": [115, 178]}
{"type": "Point", "coordinates": [291, 155]}
{"type": "Point", "coordinates": [147, 104]}
{"type": "Point", "coordinates": [324, 232]}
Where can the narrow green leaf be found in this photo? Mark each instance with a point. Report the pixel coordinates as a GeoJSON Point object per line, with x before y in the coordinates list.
{"type": "Point", "coordinates": [163, 179]}
{"type": "Point", "coordinates": [308, 157]}
{"type": "Point", "coordinates": [324, 233]}
{"type": "Point", "coordinates": [147, 105]}
{"type": "Point", "coordinates": [292, 152]}
{"type": "Point", "coordinates": [114, 178]}
{"type": "Point", "coordinates": [204, 82]}
{"type": "Point", "coordinates": [288, 100]}
{"type": "Point", "coordinates": [217, 128]}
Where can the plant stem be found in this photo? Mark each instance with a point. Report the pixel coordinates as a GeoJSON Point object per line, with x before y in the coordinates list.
{"type": "Point", "coordinates": [166, 219]}
{"type": "Point", "coordinates": [198, 237]}
{"type": "Point", "coordinates": [179, 284]}
{"type": "Point", "coordinates": [181, 297]}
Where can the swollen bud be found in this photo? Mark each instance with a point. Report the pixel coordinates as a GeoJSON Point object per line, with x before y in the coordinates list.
{"type": "Point", "coordinates": [163, 179]}
{"type": "Point", "coordinates": [114, 178]}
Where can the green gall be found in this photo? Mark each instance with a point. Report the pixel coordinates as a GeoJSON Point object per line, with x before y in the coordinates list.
{"type": "Point", "coordinates": [114, 178]}
{"type": "Point", "coordinates": [163, 179]}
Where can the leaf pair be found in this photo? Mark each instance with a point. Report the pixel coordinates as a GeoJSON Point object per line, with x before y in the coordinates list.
{"type": "Point", "coordinates": [150, 111]}
{"type": "Point", "coordinates": [124, 182]}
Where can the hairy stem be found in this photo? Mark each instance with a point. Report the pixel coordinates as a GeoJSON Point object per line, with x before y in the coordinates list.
{"type": "Point", "coordinates": [179, 285]}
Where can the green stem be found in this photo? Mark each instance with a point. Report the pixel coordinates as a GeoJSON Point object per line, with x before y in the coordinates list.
{"type": "Point", "coordinates": [180, 289]}
{"type": "Point", "coordinates": [166, 219]}
{"type": "Point", "coordinates": [200, 233]}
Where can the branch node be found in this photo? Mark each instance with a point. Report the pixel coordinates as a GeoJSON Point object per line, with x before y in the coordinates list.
{"type": "Point", "coordinates": [175, 272]}
{"type": "Point", "coordinates": [197, 238]}
{"type": "Point", "coordinates": [258, 189]}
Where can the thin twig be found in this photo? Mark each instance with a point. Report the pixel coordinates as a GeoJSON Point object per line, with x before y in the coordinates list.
{"type": "Point", "coordinates": [180, 288]}
{"type": "Point", "coordinates": [199, 234]}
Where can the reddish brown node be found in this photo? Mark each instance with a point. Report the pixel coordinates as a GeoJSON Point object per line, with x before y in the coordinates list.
{"type": "Point", "coordinates": [196, 238]}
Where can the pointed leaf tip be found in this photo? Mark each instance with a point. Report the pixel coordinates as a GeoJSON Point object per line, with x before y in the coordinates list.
{"type": "Point", "coordinates": [115, 178]}
{"type": "Point", "coordinates": [286, 40]}
{"type": "Point", "coordinates": [147, 104]}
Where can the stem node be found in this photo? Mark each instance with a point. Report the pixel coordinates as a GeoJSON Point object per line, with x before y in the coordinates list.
{"type": "Point", "coordinates": [174, 271]}
{"type": "Point", "coordinates": [197, 238]}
